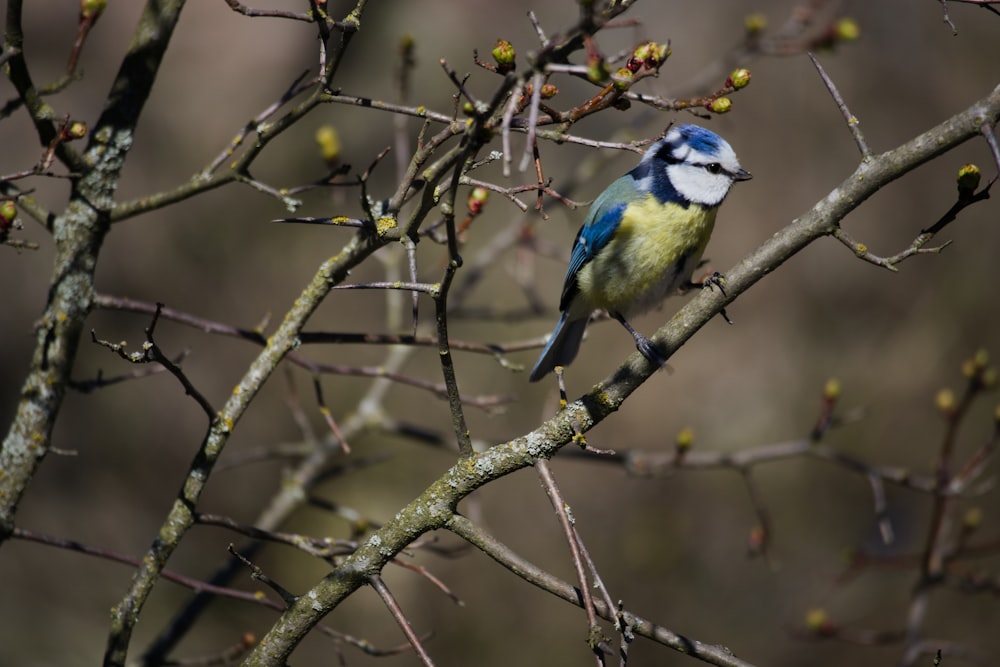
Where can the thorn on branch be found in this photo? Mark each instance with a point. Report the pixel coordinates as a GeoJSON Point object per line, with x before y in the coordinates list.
{"type": "Point", "coordinates": [328, 415]}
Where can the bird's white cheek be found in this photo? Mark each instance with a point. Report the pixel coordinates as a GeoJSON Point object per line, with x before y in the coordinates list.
{"type": "Point", "coordinates": [697, 185]}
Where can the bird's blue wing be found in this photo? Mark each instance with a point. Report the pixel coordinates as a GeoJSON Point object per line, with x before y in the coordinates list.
{"type": "Point", "coordinates": [597, 230]}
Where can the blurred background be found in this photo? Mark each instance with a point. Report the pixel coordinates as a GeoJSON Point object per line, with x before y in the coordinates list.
{"type": "Point", "coordinates": [673, 549]}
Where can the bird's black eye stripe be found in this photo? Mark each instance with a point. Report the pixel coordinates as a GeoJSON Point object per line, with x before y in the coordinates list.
{"type": "Point", "coordinates": [666, 153]}
{"type": "Point", "coordinates": [713, 168]}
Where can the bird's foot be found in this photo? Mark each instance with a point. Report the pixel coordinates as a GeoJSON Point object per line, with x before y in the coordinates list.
{"type": "Point", "coordinates": [650, 350]}
{"type": "Point", "coordinates": [713, 281]}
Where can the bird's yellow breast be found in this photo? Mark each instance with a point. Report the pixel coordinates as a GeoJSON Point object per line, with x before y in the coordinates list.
{"type": "Point", "coordinates": [654, 251]}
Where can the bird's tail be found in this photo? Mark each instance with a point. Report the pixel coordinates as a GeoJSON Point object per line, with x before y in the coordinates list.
{"type": "Point", "coordinates": [562, 347]}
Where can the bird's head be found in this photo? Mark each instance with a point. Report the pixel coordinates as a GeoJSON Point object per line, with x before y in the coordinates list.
{"type": "Point", "coordinates": [699, 164]}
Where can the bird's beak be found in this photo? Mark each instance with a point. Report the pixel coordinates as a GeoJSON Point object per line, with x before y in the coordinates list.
{"type": "Point", "coordinates": [742, 175]}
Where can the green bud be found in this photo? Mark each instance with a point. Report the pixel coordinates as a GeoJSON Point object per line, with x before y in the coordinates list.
{"type": "Point", "coordinates": [972, 519]}
{"type": "Point", "coordinates": [504, 55]}
{"type": "Point", "coordinates": [817, 620]}
{"type": "Point", "coordinates": [597, 70]}
{"type": "Point", "coordinates": [945, 402]}
{"type": "Point", "coordinates": [548, 91]}
{"type": "Point", "coordinates": [685, 438]}
{"type": "Point", "coordinates": [623, 78]}
{"type": "Point", "coordinates": [847, 30]}
{"type": "Point", "coordinates": [477, 200]}
{"type": "Point", "coordinates": [720, 105]}
{"type": "Point", "coordinates": [328, 140]}
{"type": "Point", "coordinates": [407, 44]}
{"type": "Point", "coordinates": [660, 55]}
{"type": "Point", "coordinates": [8, 211]}
{"type": "Point", "coordinates": [740, 78]}
{"type": "Point", "coordinates": [831, 390]}
{"type": "Point", "coordinates": [643, 51]}
{"type": "Point", "coordinates": [755, 23]}
{"type": "Point", "coordinates": [968, 180]}
{"type": "Point", "coordinates": [77, 130]}
{"type": "Point", "coordinates": [974, 366]}
{"type": "Point", "coordinates": [91, 9]}
{"type": "Point", "coordinates": [649, 55]}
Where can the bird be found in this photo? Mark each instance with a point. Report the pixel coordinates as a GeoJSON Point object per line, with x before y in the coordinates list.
{"type": "Point", "coordinates": [642, 238]}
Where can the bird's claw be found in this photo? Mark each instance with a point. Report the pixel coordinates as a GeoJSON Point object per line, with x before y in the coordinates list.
{"type": "Point", "coordinates": [650, 350]}
{"type": "Point", "coordinates": [713, 281]}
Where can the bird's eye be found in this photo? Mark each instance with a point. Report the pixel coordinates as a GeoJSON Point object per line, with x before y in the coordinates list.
{"type": "Point", "coordinates": [714, 168]}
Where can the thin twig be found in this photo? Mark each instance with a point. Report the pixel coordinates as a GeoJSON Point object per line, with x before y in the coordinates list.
{"type": "Point", "coordinates": [328, 415]}
{"type": "Point", "coordinates": [529, 572]}
{"type": "Point", "coordinates": [536, 99]}
{"type": "Point", "coordinates": [240, 8]}
{"type": "Point", "coordinates": [397, 613]}
{"type": "Point", "coordinates": [572, 539]}
{"type": "Point", "coordinates": [257, 574]}
{"type": "Point", "coordinates": [991, 138]}
{"type": "Point", "coordinates": [853, 124]}
{"type": "Point", "coordinates": [151, 353]}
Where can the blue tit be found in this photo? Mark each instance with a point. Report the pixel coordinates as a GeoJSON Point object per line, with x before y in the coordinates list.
{"type": "Point", "coordinates": [643, 238]}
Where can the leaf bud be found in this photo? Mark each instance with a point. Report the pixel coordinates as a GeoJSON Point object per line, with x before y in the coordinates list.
{"type": "Point", "coordinates": [623, 78]}
{"type": "Point", "coordinates": [649, 55]}
{"type": "Point", "coordinates": [504, 55]}
{"type": "Point", "coordinates": [658, 56]}
{"type": "Point", "coordinates": [477, 200]}
{"type": "Point", "coordinates": [597, 69]}
{"type": "Point", "coordinates": [988, 379]}
{"type": "Point", "coordinates": [945, 402]}
{"type": "Point", "coordinates": [8, 211]}
{"type": "Point", "coordinates": [720, 105]}
{"type": "Point", "coordinates": [819, 621]}
{"type": "Point", "coordinates": [685, 438]}
{"type": "Point", "coordinates": [968, 180]}
{"type": "Point", "coordinates": [76, 130]}
{"type": "Point", "coordinates": [740, 78]}
{"type": "Point", "coordinates": [972, 519]}
{"type": "Point", "coordinates": [847, 30]}
{"type": "Point", "coordinates": [406, 45]}
{"type": "Point", "coordinates": [328, 140]}
{"type": "Point", "coordinates": [91, 9]}
{"type": "Point", "coordinates": [643, 51]}
{"type": "Point", "coordinates": [755, 23]}
{"type": "Point", "coordinates": [831, 390]}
